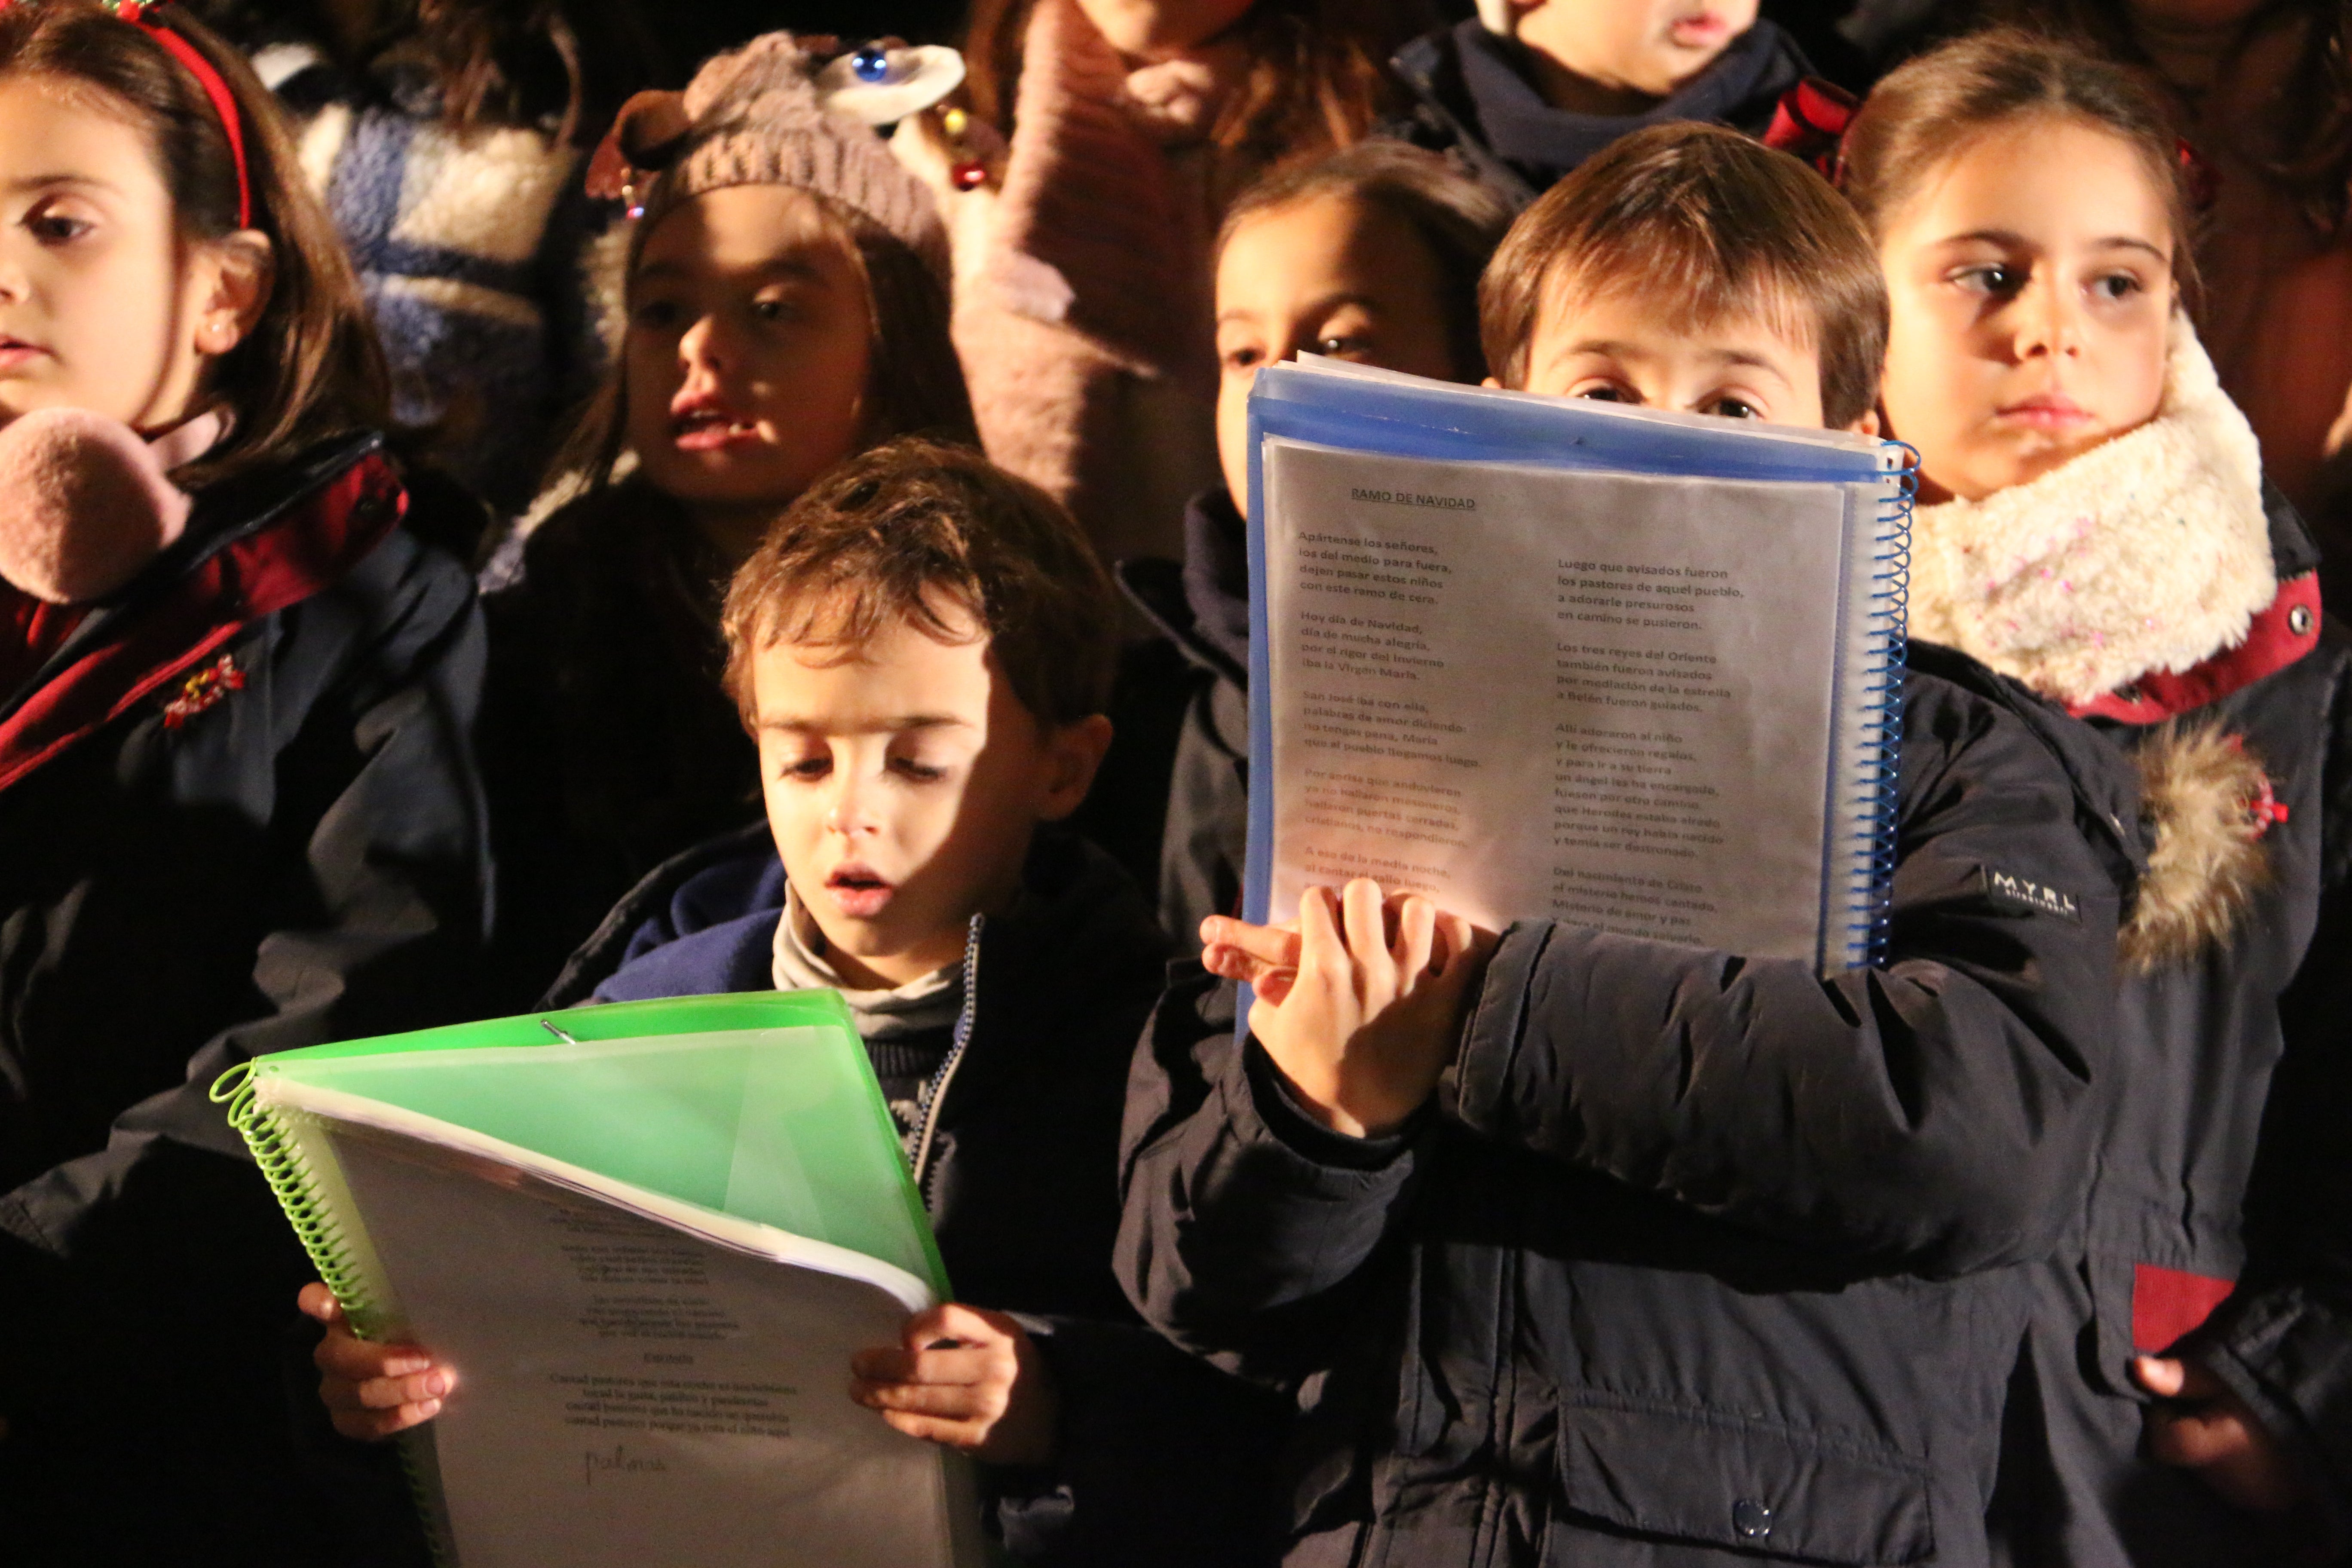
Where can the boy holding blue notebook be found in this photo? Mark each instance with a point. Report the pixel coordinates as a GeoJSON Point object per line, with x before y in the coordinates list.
{"type": "Point", "coordinates": [922, 648]}
{"type": "Point", "coordinates": [1592, 1248]}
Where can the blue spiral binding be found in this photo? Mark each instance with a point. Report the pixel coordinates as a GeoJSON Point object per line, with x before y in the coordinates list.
{"type": "Point", "coordinates": [1882, 728]}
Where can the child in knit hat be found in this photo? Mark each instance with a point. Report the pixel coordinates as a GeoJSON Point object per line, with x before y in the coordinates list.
{"type": "Point", "coordinates": [785, 305]}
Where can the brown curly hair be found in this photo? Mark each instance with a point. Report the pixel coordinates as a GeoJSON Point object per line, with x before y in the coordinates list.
{"type": "Point", "coordinates": [891, 534]}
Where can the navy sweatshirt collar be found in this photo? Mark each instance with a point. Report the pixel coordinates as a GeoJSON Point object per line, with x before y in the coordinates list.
{"type": "Point", "coordinates": [1521, 128]}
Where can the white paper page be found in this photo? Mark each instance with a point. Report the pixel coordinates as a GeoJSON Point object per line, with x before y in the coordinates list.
{"type": "Point", "coordinates": [629, 1394]}
{"type": "Point", "coordinates": [1535, 692]}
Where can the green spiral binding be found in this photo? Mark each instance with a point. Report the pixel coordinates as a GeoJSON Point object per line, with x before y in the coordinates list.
{"type": "Point", "coordinates": [296, 1186]}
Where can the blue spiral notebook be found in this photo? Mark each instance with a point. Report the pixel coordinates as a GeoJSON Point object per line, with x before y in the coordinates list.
{"type": "Point", "coordinates": [1539, 656]}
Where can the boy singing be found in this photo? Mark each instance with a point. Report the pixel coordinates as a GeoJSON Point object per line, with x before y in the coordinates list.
{"type": "Point", "coordinates": [922, 647]}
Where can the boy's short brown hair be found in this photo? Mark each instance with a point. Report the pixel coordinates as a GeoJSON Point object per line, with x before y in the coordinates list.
{"type": "Point", "coordinates": [1706, 223]}
{"type": "Point", "coordinates": [890, 532]}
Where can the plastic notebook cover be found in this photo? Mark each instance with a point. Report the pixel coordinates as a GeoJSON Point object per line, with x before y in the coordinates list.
{"type": "Point", "coordinates": [1356, 409]}
{"type": "Point", "coordinates": [754, 1010]}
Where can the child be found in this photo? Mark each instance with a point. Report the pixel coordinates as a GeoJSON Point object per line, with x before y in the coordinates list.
{"type": "Point", "coordinates": [1106, 138]}
{"type": "Point", "coordinates": [922, 648]}
{"type": "Point", "coordinates": [445, 137]}
{"type": "Point", "coordinates": [1372, 255]}
{"type": "Point", "coordinates": [2263, 93]}
{"type": "Point", "coordinates": [1699, 1255]}
{"type": "Point", "coordinates": [1526, 89]}
{"type": "Point", "coordinates": [239, 804]}
{"type": "Point", "coordinates": [2104, 534]}
{"type": "Point", "coordinates": [787, 306]}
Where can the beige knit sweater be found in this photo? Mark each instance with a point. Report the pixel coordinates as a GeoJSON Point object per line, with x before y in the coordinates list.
{"type": "Point", "coordinates": [1083, 300]}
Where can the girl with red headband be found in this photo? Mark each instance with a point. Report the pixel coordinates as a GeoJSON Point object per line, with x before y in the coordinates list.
{"type": "Point", "coordinates": [238, 806]}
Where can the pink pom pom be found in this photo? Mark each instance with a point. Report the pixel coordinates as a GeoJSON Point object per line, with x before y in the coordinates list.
{"type": "Point", "coordinates": [84, 504]}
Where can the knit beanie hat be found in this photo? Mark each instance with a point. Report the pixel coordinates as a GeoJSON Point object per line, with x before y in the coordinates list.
{"type": "Point", "coordinates": [755, 117]}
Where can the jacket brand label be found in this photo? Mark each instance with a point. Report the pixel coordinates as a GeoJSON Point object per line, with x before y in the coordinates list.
{"type": "Point", "coordinates": [2007, 887]}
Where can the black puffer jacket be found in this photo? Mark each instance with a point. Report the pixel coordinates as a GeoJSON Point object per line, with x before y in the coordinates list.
{"type": "Point", "coordinates": [1473, 100]}
{"type": "Point", "coordinates": [1698, 1258]}
{"type": "Point", "coordinates": [2225, 1145]}
{"type": "Point", "coordinates": [238, 813]}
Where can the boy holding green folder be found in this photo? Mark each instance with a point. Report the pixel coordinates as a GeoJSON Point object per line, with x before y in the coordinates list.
{"type": "Point", "coordinates": [922, 648]}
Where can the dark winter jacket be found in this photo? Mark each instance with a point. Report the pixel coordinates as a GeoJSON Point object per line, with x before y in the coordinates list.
{"type": "Point", "coordinates": [1202, 606]}
{"type": "Point", "coordinates": [2222, 1150]}
{"type": "Point", "coordinates": [1699, 1257]}
{"type": "Point", "coordinates": [608, 743]}
{"type": "Point", "coordinates": [1163, 1457]}
{"type": "Point", "coordinates": [1474, 99]}
{"type": "Point", "coordinates": [238, 813]}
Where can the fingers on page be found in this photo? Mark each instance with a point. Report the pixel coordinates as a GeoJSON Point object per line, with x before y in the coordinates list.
{"type": "Point", "coordinates": [384, 1393]}
{"type": "Point", "coordinates": [1320, 948]}
{"type": "Point", "coordinates": [1416, 921]}
{"type": "Point", "coordinates": [951, 1402]}
{"type": "Point", "coordinates": [931, 1429]}
{"type": "Point", "coordinates": [341, 1355]}
{"type": "Point", "coordinates": [1268, 944]}
{"type": "Point", "coordinates": [952, 1324]}
{"type": "Point", "coordinates": [1367, 915]}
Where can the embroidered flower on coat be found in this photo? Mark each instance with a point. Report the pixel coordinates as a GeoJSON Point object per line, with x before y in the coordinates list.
{"type": "Point", "coordinates": [202, 689]}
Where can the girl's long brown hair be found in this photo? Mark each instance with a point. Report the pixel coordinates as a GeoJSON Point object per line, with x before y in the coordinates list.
{"type": "Point", "coordinates": [1931, 107]}
{"type": "Point", "coordinates": [310, 368]}
{"type": "Point", "coordinates": [2311, 117]}
{"type": "Point", "coordinates": [1316, 76]}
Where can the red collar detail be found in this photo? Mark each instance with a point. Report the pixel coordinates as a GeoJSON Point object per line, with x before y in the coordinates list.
{"type": "Point", "coordinates": [311, 547]}
{"type": "Point", "coordinates": [1810, 123]}
{"type": "Point", "coordinates": [2278, 636]}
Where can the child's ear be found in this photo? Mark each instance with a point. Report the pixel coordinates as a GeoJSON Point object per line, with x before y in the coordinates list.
{"type": "Point", "coordinates": [1073, 752]}
{"type": "Point", "coordinates": [1868, 425]}
{"type": "Point", "coordinates": [241, 269]}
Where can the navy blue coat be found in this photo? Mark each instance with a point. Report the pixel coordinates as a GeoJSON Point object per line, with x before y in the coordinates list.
{"type": "Point", "coordinates": [1697, 1257]}
{"type": "Point", "coordinates": [1473, 99]}
{"type": "Point", "coordinates": [239, 812]}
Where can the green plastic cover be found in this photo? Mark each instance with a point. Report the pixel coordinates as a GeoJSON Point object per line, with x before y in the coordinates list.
{"type": "Point", "coordinates": [762, 1105]}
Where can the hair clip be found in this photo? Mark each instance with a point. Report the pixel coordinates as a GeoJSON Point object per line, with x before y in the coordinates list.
{"type": "Point", "coordinates": [2199, 178]}
{"type": "Point", "coordinates": [880, 84]}
{"type": "Point", "coordinates": [645, 135]}
{"type": "Point", "coordinates": [966, 170]}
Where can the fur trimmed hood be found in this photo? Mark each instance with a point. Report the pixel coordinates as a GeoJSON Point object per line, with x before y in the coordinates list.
{"type": "Point", "coordinates": [2149, 553]}
{"type": "Point", "coordinates": [2208, 803]}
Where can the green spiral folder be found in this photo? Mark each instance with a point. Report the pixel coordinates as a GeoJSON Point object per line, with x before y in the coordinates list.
{"type": "Point", "coordinates": [646, 1238]}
